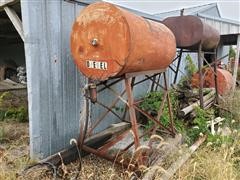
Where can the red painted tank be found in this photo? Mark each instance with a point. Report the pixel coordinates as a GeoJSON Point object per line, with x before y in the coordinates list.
{"type": "Point", "coordinates": [107, 41]}
{"type": "Point", "coordinates": [224, 80]}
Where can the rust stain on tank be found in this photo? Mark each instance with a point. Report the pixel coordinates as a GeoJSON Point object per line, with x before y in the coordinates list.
{"type": "Point", "coordinates": [224, 80]}
{"type": "Point", "coordinates": [190, 31]}
{"type": "Point", "coordinates": [107, 41]}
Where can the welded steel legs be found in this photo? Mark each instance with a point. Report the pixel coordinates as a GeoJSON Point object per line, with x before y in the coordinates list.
{"type": "Point", "coordinates": [117, 132]}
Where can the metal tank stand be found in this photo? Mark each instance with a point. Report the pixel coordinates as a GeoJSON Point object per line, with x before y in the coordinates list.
{"type": "Point", "coordinates": [201, 60]}
{"type": "Point", "coordinates": [117, 133]}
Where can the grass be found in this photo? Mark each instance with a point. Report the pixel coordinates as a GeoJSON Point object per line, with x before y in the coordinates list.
{"type": "Point", "coordinates": [210, 162]}
{"type": "Point", "coordinates": [14, 149]}
{"type": "Point", "coordinates": [13, 107]}
{"type": "Point", "coordinates": [219, 157]}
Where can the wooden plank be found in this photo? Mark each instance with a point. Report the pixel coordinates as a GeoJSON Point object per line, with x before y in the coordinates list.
{"type": "Point", "coordinates": [236, 64]}
{"type": "Point", "coordinates": [170, 148]}
{"type": "Point", "coordinates": [8, 85]}
{"type": "Point", "coordinates": [181, 160]}
{"type": "Point", "coordinates": [113, 129]}
{"type": "Point", "coordinates": [15, 20]}
{"type": "Point", "coordinates": [183, 112]}
{"type": "Point", "coordinates": [70, 154]}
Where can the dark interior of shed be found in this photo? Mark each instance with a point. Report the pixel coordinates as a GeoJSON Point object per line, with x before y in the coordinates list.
{"type": "Point", "coordinates": [12, 57]}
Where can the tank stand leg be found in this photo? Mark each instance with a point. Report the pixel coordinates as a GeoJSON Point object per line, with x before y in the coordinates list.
{"type": "Point", "coordinates": [178, 65]}
{"type": "Point", "coordinates": [200, 65]}
{"type": "Point", "coordinates": [132, 112]}
{"type": "Point", "coordinates": [215, 75]}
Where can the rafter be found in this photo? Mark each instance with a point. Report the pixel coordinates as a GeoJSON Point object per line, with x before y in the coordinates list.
{"type": "Point", "coordinates": [4, 3]}
{"type": "Point", "coordinates": [15, 20]}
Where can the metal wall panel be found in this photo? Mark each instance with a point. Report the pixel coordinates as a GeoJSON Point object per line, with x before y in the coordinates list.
{"type": "Point", "coordinates": [54, 83]}
{"type": "Point", "coordinates": [221, 26]}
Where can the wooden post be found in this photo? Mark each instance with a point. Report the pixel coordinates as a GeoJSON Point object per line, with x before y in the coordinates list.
{"type": "Point", "coordinates": [236, 63]}
{"type": "Point", "coordinates": [15, 20]}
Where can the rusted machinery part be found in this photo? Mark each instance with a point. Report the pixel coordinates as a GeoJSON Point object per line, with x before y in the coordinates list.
{"type": "Point", "coordinates": [107, 41]}
{"type": "Point", "coordinates": [224, 80]}
{"type": "Point", "coordinates": [190, 31]}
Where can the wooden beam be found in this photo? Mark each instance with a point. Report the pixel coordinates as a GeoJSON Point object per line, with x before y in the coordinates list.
{"type": "Point", "coordinates": [7, 2]}
{"type": "Point", "coordinates": [15, 20]}
{"type": "Point", "coordinates": [185, 111]}
{"type": "Point", "coordinates": [167, 150]}
{"type": "Point", "coordinates": [181, 160]}
{"type": "Point", "coordinates": [70, 154]}
{"type": "Point", "coordinates": [236, 63]}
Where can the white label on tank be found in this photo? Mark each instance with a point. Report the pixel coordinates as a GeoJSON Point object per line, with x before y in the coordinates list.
{"type": "Point", "coordinates": [96, 65]}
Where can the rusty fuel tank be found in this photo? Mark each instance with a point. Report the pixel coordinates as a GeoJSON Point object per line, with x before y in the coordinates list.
{"type": "Point", "coordinates": [224, 80]}
{"type": "Point", "coordinates": [107, 41]}
{"type": "Point", "coordinates": [190, 31]}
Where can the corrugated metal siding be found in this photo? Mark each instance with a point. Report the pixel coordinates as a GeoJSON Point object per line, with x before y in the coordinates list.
{"type": "Point", "coordinates": [54, 83]}
{"type": "Point", "coordinates": [221, 26]}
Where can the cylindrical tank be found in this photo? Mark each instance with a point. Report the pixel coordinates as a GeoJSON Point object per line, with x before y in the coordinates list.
{"type": "Point", "coordinates": [107, 41]}
{"type": "Point", "coordinates": [190, 31]}
{"type": "Point", "coordinates": [224, 80]}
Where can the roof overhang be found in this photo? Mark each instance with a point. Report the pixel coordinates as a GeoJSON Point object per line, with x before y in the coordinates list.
{"type": "Point", "coordinates": [229, 39]}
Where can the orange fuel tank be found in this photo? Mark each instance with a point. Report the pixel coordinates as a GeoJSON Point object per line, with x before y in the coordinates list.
{"type": "Point", "coordinates": [224, 80]}
{"type": "Point", "coordinates": [108, 41]}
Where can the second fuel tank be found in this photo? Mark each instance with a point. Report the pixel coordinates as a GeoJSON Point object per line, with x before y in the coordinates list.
{"type": "Point", "coordinates": [190, 31]}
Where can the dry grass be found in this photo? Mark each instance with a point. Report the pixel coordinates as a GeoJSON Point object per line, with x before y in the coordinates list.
{"type": "Point", "coordinates": [92, 168]}
{"type": "Point", "coordinates": [14, 157]}
{"type": "Point", "coordinates": [232, 104]}
{"type": "Point", "coordinates": [218, 162]}
{"type": "Point", "coordinates": [13, 149]}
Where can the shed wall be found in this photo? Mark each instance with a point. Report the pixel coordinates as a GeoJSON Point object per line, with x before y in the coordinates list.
{"type": "Point", "coordinates": [54, 84]}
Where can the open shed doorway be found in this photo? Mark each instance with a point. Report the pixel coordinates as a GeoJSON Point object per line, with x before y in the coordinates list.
{"type": "Point", "coordinates": [12, 56]}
